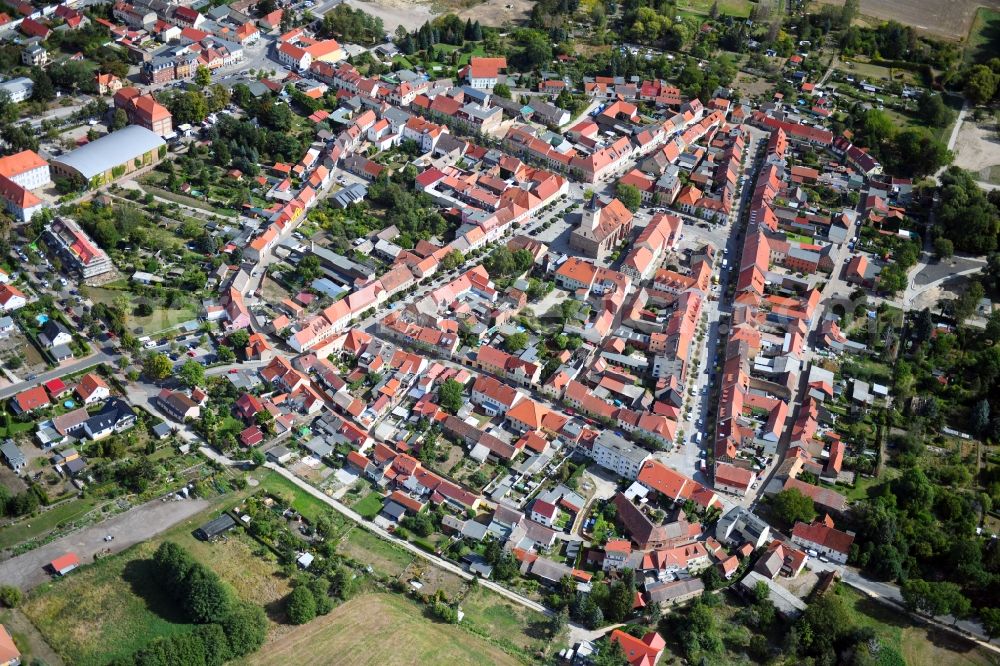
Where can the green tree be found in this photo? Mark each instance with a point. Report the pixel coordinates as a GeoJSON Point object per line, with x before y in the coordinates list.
{"type": "Point", "coordinates": [44, 90]}
{"type": "Point", "coordinates": [225, 354]}
{"type": "Point", "coordinates": [944, 248]}
{"type": "Point", "coordinates": [501, 90]}
{"type": "Point", "coordinates": [119, 120]}
{"type": "Point", "coordinates": [451, 396]}
{"type": "Point", "coordinates": [558, 622]}
{"type": "Point", "coordinates": [203, 76]}
{"type": "Point", "coordinates": [965, 214]}
{"type": "Point", "coordinates": [452, 260]}
{"type": "Point", "coordinates": [934, 599]}
{"type": "Point", "coordinates": [238, 339]}
{"type": "Point", "coordinates": [849, 12]}
{"type": "Point", "coordinates": [300, 605]}
{"type": "Point", "coordinates": [206, 599]}
{"type": "Point", "coordinates": [10, 596]}
{"type": "Point", "coordinates": [980, 84]}
{"type": "Point", "coordinates": [791, 506]}
{"type": "Point", "coordinates": [933, 110]}
{"type": "Point", "coordinates": [245, 628]}
{"type": "Point", "coordinates": [157, 366]}
{"type": "Point", "coordinates": [629, 195]}
{"type": "Point", "coordinates": [192, 373]}
{"type": "Point", "coordinates": [620, 600]}
{"type": "Point", "coordinates": [609, 654]}
{"type": "Point", "coordinates": [991, 621]}
{"type": "Point", "coordinates": [516, 342]}
{"type": "Point", "coordinates": [916, 152]}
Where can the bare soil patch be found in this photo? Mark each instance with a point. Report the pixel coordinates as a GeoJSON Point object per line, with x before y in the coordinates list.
{"type": "Point", "coordinates": [978, 147]}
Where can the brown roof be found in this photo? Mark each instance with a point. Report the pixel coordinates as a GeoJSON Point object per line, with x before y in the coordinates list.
{"type": "Point", "coordinates": [821, 534]}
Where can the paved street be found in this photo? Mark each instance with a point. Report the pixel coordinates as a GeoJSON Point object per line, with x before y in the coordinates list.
{"type": "Point", "coordinates": [68, 369]}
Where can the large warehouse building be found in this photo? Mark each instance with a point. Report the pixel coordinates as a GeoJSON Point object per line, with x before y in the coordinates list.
{"type": "Point", "coordinates": [112, 156]}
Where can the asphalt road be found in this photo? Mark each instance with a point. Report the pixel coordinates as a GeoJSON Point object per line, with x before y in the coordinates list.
{"type": "Point", "coordinates": [70, 368]}
{"type": "Point", "coordinates": [135, 525]}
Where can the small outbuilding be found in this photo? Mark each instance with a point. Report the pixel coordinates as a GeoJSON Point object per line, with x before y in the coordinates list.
{"type": "Point", "coordinates": [63, 564]}
{"type": "Point", "coordinates": [215, 528]}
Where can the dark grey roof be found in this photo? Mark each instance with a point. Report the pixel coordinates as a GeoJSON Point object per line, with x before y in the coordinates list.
{"type": "Point", "coordinates": [214, 528]}
{"type": "Point", "coordinates": [75, 466]}
{"type": "Point", "coordinates": [11, 452]}
{"type": "Point", "coordinates": [394, 510]}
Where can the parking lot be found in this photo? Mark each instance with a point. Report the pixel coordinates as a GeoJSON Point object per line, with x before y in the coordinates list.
{"type": "Point", "coordinates": [136, 525]}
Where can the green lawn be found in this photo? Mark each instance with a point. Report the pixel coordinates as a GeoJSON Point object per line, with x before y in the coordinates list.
{"type": "Point", "coordinates": [505, 622]}
{"type": "Point", "coordinates": [30, 528]}
{"type": "Point", "coordinates": [16, 428]}
{"type": "Point", "coordinates": [984, 36]}
{"type": "Point", "coordinates": [737, 8]}
{"type": "Point", "coordinates": [917, 644]}
{"type": "Point", "coordinates": [310, 507]}
{"type": "Point", "coordinates": [161, 319]}
{"type": "Point", "coordinates": [799, 238]}
{"type": "Point", "coordinates": [369, 506]}
{"type": "Point", "coordinates": [382, 556]}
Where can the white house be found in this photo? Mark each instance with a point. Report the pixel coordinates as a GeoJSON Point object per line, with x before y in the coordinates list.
{"type": "Point", "coordinates": [619, 455]}
{"type": "Point", "coordinates": [11, 298]}
{"type": "Point", "coordinates": [544, 512]}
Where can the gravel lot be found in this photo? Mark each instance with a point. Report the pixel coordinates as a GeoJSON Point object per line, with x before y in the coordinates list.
{"type": "Point", "coordinates": [138, 524]}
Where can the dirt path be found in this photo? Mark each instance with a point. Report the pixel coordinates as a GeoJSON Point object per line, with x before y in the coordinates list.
{"type": "Point", "coordinates": [138, 524]}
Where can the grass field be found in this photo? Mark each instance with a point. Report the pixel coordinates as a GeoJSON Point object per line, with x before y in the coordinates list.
{"type": "Point", "coordinates": [185, 200]}
{"type": "Point", "coordinates": [738, 8]}
{"type": "Point", "coordinates": [42, 523]}
{"type": "Point", "coordinates": [115, 606]}
{"type": "Point", "coordinates": [369, 505]}
{"type": "Point", "coordinates": [919, 646]}
{"type": "Point", "coordinates": [384, 557]}
{"type": "Point", "coordinates": [380, 629]}
{"type": "Point", "coordinates": [106, 611]}
{"type": "Point", "coordinates": [160, 320]}
{"type": "Point", "coordinates": [310, 507]}
{"type": "Point", "coordinates": [506, 621]}
{"type": "Point", "coordinates": [984, 36]}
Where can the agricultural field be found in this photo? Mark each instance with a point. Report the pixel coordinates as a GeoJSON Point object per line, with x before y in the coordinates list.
{"type": "Point", "coordinates": [738, 8]}
{"type": "Point", "coordinates": [984, 36]}
{"type": "Point", "coordinates": [949, 20]}
{"type": "Point", "coordinates": [360, 631]}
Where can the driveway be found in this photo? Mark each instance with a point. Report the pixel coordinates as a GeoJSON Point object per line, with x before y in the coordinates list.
{"type": "Point", "coordinates": [138, 524]}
